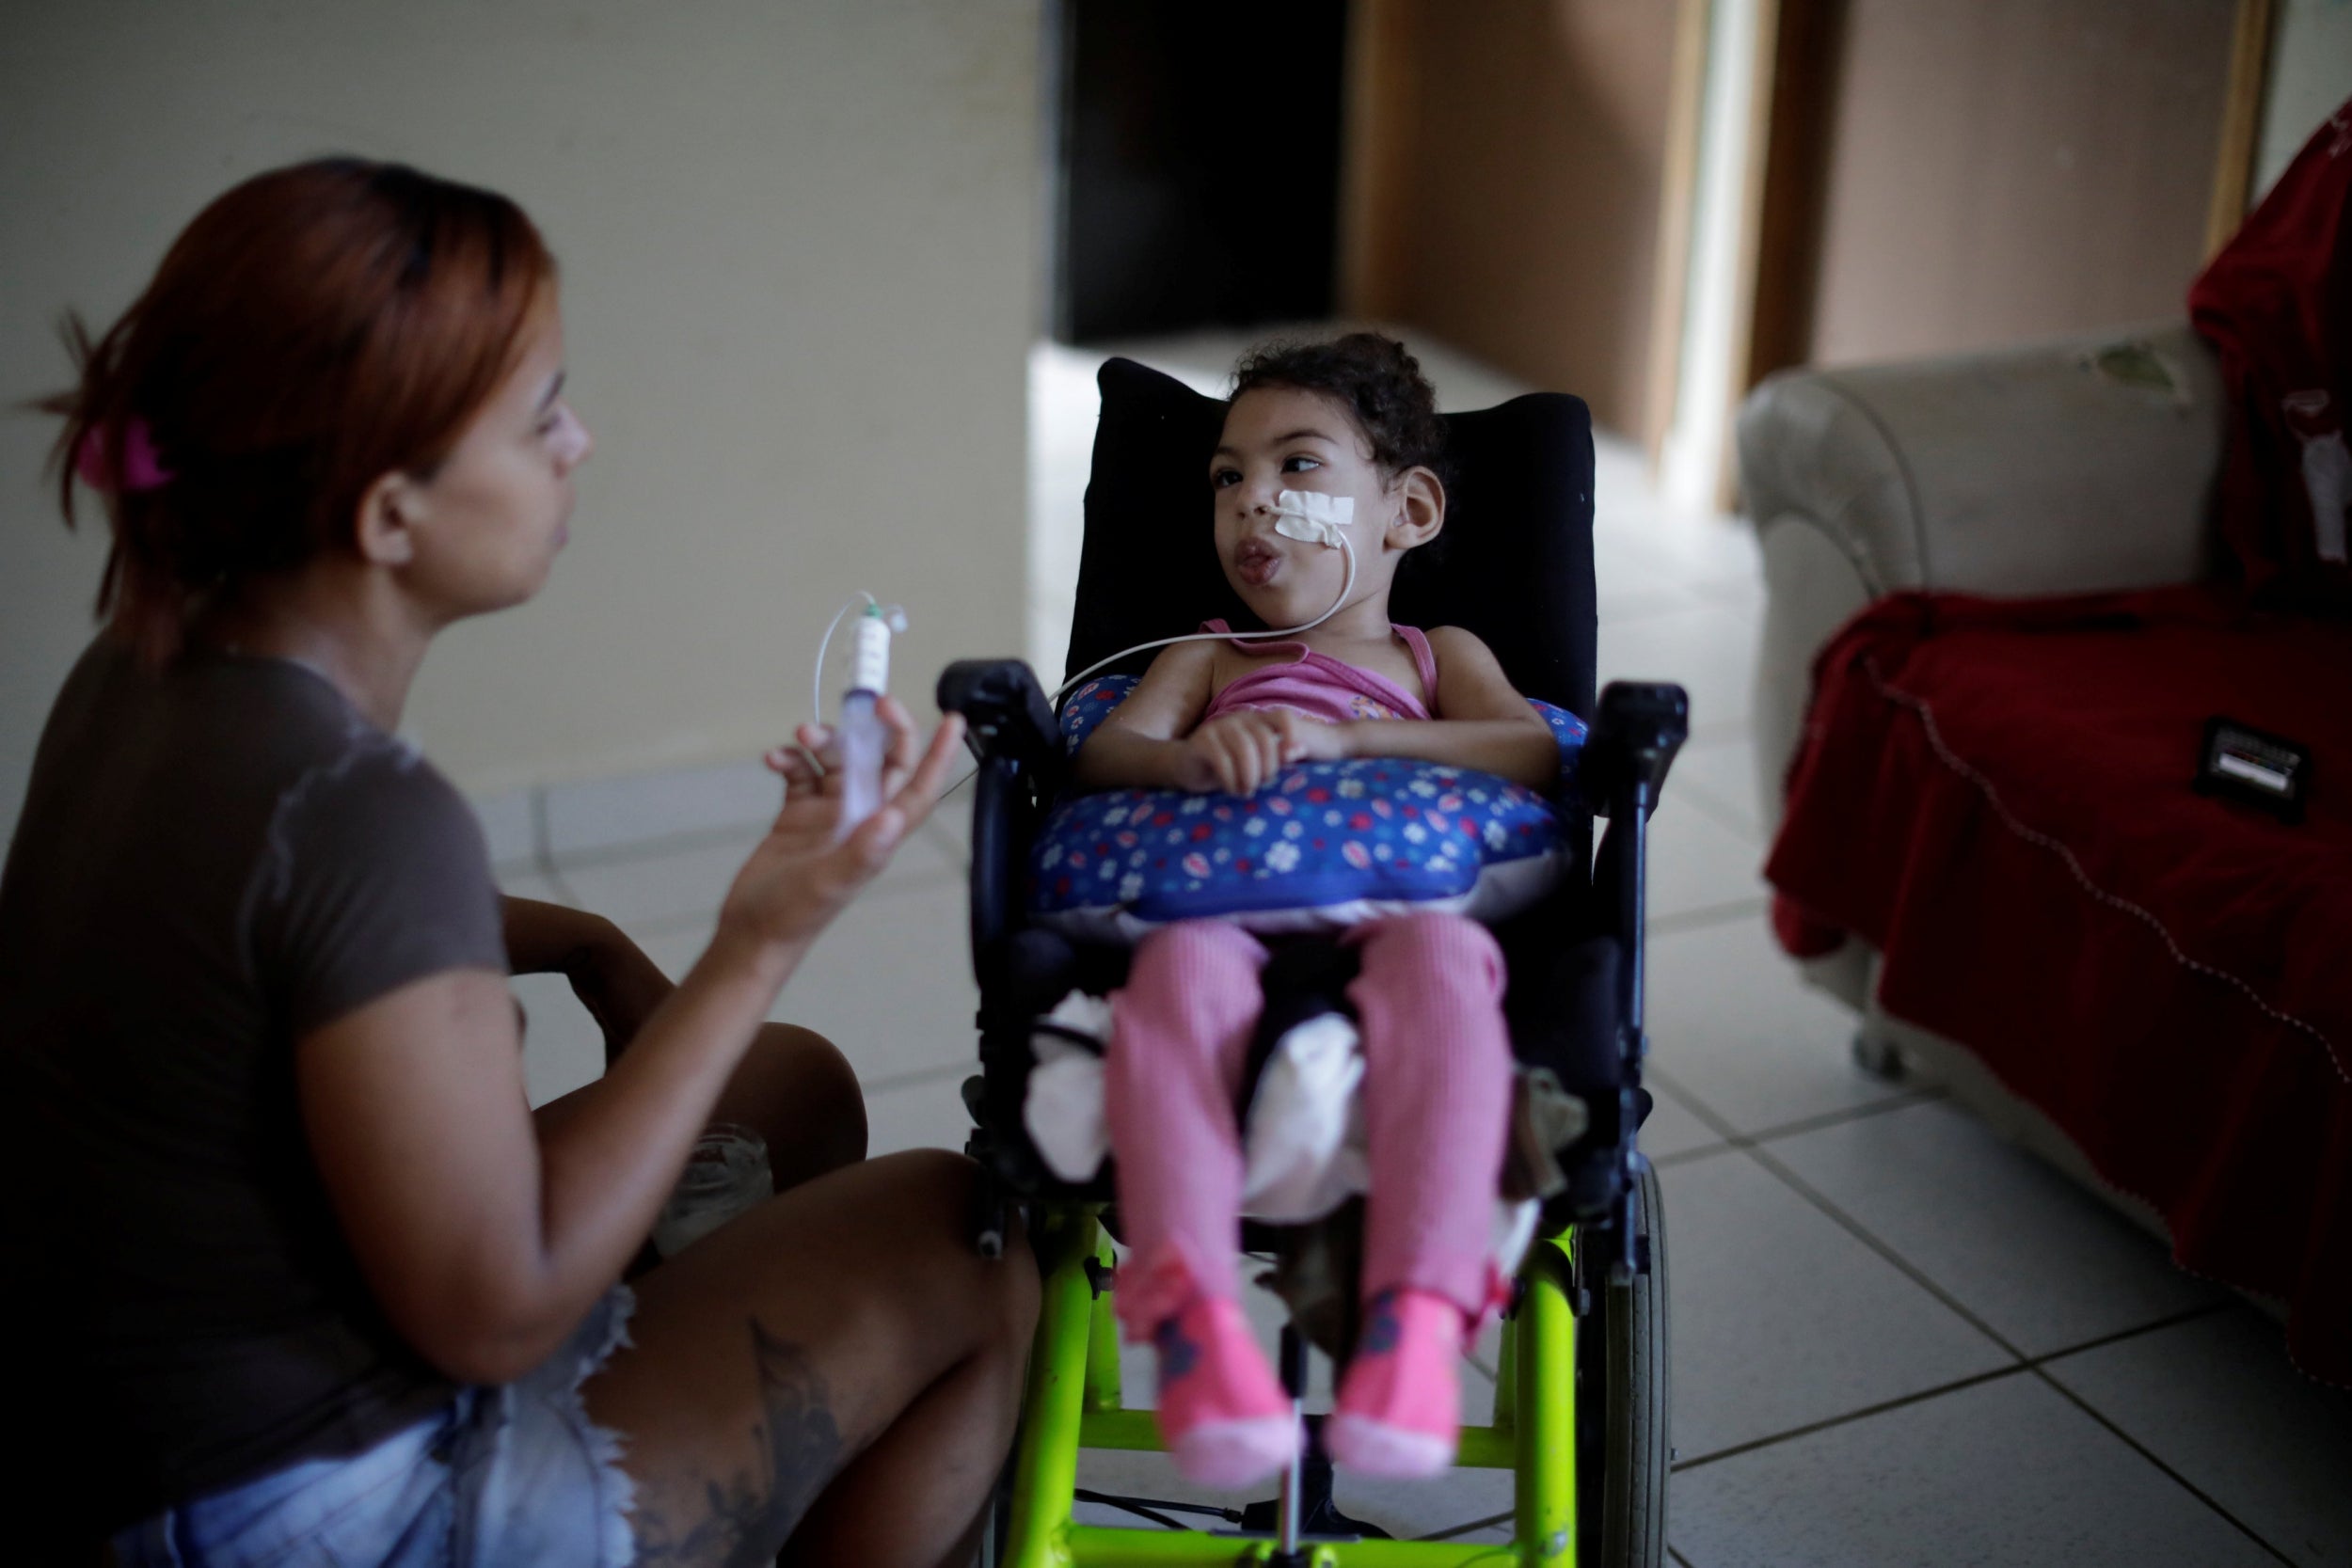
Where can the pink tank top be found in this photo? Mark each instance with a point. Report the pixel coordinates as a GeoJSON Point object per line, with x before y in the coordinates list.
{"type": "Point", "coordinates": [1325, 687]}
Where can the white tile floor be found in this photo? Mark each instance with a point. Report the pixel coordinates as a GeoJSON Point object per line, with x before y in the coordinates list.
{"type": "Point", "coordinates": [1896, 1340]}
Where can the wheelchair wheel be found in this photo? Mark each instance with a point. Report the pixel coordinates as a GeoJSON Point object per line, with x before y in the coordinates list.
{"type": "Point", "coordinates": [1624, 1456]}
{"type": "Point", "coordinates": [996, 1524]}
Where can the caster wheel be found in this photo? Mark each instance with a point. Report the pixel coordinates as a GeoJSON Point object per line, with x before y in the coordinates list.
{"type": "Point", "coordinates": [1877, 1056]}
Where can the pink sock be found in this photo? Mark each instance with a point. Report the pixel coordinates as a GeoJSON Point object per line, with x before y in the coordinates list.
{"type": "Point", "coordinates": [1225, 1418]}
{"type": "Point", "coordinates": [1399, 1410]}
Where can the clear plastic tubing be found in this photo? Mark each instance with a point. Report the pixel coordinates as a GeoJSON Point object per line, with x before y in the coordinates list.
{"type": "Point", "coordinates": [864, 739]}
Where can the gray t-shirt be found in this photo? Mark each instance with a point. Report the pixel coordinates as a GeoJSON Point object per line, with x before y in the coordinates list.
{"type": "Point", "coordinates": [211, 861]}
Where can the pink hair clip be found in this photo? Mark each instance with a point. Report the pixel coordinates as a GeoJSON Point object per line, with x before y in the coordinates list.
{"type": "Point", "coordinates": [141, 468]}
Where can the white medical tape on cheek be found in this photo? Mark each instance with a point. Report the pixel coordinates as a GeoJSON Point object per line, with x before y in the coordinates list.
{"type": "Point", "coordinates": [1311, 517]}
{"type": "Point", "coordinates": [1320, 517]}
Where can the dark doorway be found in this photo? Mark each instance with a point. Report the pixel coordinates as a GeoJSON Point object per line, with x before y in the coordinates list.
{"type": "Point", "coordinates": [1199, 163]}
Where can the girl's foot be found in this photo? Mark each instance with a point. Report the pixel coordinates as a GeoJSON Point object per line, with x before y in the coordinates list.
{"type": "Point", "coordinates": [1399, 1409]}
{"type": "Point", "coordinates": [1227, 1422]}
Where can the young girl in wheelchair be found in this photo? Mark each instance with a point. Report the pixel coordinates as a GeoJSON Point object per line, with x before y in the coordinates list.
{"type": "Point", "coordinates": [1328, 474]}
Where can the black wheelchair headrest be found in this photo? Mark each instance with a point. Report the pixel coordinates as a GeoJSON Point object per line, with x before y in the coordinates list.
{"type": "Point", "coordinates": [1517, 568]}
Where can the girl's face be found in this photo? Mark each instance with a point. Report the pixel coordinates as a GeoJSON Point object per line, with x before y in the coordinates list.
{"type": "Point", "coordinates": [1281, 439]}
{"type": "Point", "coordinates": [490, 520]}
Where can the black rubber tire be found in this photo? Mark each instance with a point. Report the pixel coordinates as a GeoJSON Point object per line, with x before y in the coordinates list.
{"type": "Point", "coordinates": [1878, 1056]}
{"type": "Point", "coordinates": [997, 1531]}
{"type": "Point", "coordinates": [1623, 1488]}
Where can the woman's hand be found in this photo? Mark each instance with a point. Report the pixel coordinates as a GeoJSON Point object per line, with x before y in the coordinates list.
{"type": "Point", "coordinates": [1240, 752]}
{"type": "Point", "coordinates": [485, 1237]}
{"type": "Point", "coordinates": [799, 876]}
{"type": "Point", "coordinates": [611, 974]}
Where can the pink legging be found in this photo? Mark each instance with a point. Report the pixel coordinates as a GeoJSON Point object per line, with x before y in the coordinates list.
{"type": "Point", "coordinates": [1437, 1095]}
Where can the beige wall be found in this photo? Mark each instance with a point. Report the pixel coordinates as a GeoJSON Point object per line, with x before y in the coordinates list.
{"type": "Point", "coordinates": [799, 245]}
{"type": "Point", "coordinates": [1506, 161]}
{"type": "Point", "coordinates": [2007, 170]}
{"type": "Point", "coordinates": [2311, 76]}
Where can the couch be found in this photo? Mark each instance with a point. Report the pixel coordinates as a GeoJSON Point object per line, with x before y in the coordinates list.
{"type": "Point", "coordinates": [1966, 485]}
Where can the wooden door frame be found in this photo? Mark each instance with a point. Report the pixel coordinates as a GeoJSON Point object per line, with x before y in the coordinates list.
{"type": "Point", "coordinates": [1783, 180]}
{"type": "Point", "coordinates": [1797, 53]}
{"type": "Point", "coordinates": [1670, 292]}
{"type": "Point", "coordinates": [2250, 39]}
{"type": "Point", "coordinates": [1377, 143]}
{"type": "Point", "coordinates": [1783, 191]}
{"type": "Point", "coordinates": [1790, 112]}
{"type": "Point", "coordinates": [1796, 64]}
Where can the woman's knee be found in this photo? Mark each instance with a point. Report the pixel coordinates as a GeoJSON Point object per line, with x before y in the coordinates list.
{"type": "Point", "coordinates": [833, 1088]}
{"type": "Point", "coordinates": [938, 1200]}
{"type": "Point", "coordinates": [797, 1087]}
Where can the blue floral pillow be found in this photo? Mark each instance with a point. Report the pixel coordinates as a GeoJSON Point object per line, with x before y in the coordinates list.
{"type": "Point", "coordinates": [1327, 846]}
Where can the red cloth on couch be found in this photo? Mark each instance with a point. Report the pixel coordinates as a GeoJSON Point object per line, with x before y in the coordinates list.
{"type": "Point", "coordinates": [2276, 303]}
{"type": "Point", "coordinates": [1995, 796]}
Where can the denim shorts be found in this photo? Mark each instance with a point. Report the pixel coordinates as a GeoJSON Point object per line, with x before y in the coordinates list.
{"type": "Point", "coordinates": [512, 1476]}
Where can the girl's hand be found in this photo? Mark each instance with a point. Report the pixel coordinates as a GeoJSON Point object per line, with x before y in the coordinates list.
{"type": "Point", "coordinates": [799, 878]}
{"type": "Point", "coordinates": [1241, 753]}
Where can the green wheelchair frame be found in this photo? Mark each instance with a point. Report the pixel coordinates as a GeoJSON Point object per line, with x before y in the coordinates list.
{"type": "Point", "coordinates": [1074, 1402]}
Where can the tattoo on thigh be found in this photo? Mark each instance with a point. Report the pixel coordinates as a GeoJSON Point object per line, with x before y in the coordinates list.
{"type": "Point", "coordinates": [741, 1521]}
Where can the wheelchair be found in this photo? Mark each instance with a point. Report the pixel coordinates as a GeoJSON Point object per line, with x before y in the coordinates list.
{"type": "Point", "coordinates": [1581, 1403]}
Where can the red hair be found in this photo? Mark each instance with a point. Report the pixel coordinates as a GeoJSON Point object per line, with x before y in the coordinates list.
{"type": "Point", "coordinates": [314, 328]}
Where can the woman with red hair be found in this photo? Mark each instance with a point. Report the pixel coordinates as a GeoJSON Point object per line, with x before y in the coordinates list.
{"type": "Point", "coordinates": [314, 1283]}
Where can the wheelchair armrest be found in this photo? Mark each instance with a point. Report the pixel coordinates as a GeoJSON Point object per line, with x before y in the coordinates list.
{"type": "Point", "coordinates": [1004, 706]}
{"type": "Point", "coordinates": [1637, 729]}
{"type": "Point", "coordinates": [1013, 733]}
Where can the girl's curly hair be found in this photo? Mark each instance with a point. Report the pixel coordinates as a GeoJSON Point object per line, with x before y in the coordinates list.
{"type": "Point", "coordinates": [1375, 379]}
{"type": "Point", "coordinates": [1383, 390]}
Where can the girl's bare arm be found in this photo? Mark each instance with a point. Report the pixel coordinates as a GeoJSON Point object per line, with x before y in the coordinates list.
{"type": "Point", "coordinates": [1142, 745]}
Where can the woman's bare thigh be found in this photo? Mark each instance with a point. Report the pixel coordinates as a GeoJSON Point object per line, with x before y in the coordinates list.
{"type": "Point", "coordinates": [770, 1354]}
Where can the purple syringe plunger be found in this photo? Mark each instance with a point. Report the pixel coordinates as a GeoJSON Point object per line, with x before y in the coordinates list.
{"type": "Point", "coordinates": [864, 740]}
